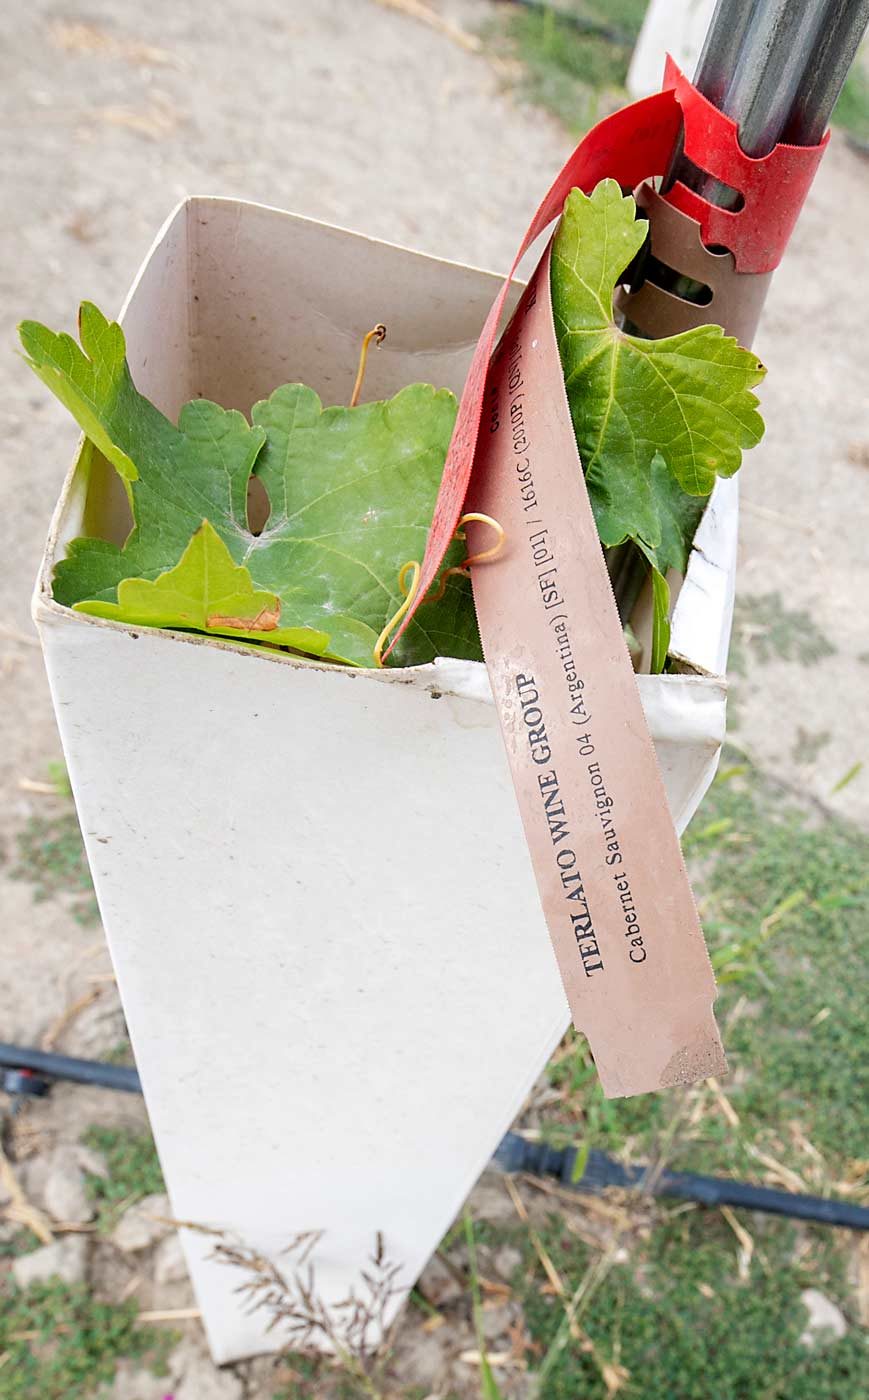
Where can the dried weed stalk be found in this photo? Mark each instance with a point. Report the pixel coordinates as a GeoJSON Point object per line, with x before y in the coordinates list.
{"type": "Point", "coordinates": [354, 1329]}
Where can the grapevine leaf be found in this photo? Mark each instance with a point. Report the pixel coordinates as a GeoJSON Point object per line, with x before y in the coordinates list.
{"type": "Point", "coordinates": [678, 517]}
{"type": "Point", "coordinates": [660, 622]}
{"type": "Point", "coordinates": [93, 381]}
{"type": "Point", "coordinates": [351, 495]}
{"type": "Point", "coordinates": [206, 591]}
{"type": "Point", "coordinates": [176, 477]}
{"type": "Point", "coordinates": [655, 420]}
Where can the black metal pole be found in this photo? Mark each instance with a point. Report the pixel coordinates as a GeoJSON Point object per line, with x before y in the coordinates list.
{"type": "Point", "coordinates": [841, 34]}
{"type": "Point", "coordinates": [776, 67]}
{"type": "Point", "coordinates": [721, 48]}
{"type": "Point", "coordinates": [779, 46]}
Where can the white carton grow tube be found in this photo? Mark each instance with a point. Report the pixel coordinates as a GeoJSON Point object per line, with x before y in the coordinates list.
{"type": "Point", "coordinates": [328, 941]}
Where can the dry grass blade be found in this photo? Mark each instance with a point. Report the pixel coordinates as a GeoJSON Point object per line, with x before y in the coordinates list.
{"type": "Point", "coordinates": [504, 1359]}
{"type": "Point", "coordinates": [746, 1243]}
{"type": "Point", "coordinates": [548, 1267]}
{"type": "Point", "coordinates": [352, 1328]}
{"type": "Point", "coordinates": [861, 1279]}
{"type": "Point", "coordinates": [19, 1209]}
{"type": "Point", "coordinates": [68, 1015]}
{"type": "Point", "coordinates": [77, 36]}
{"type": "Point", "coordinates": [169, 1315]}
{"type": "Point", "coordinates": [573, 1311]}
{"type": "Point", "coordinates": [415, 9]}
{"type": "Point", "coordinates": [723, 1102]}
{"type": "Point", "coordinates": [612, 1374]}
{"type": "Point", "coordinates": [13, 635]}
{"type": "Point", "coordinates": [158, 119]}
{"type": "Point", "coordinates": [778, 1173]}
{"type": "Point", "coordinates": [593, 1205]}
{"type": "Point", "coordinates": [489, 1385]}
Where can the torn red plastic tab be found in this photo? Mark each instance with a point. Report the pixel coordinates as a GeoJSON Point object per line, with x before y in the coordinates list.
{"type": "Point", "coordinates": [629, 146]}
{"type": "Point", "coordinates": [773, 187]}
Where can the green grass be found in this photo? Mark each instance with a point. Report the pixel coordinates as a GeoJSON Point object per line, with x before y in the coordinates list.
{"type": "Point", "coordinates": [120, 1054]}
{"type": "Point", "coordinates": [58, 1343]}
{"type": "Point", "coordinates": [571, 71]}
{"type": "Point", "coordinates": [22, 1242]}
{"type": "Point", "coordinates": [784, 897]}
{"type": "Point", "coordinates": [567, 71]}
{"type": "Point", "coordinates": [764, 629]}
{"type": "Point", "coordinates": [489, 1385]}
{"type": "Point", "coordinates": [678, 1317]}
{"type": "Point", "coordinates": [134, 1172]}
{"type": "Point", "coordinates": [809, 744]}
{"type": "Point", "coordinates": [793, 1065]}
{"type": "Point", "coordinates": [51, 857]}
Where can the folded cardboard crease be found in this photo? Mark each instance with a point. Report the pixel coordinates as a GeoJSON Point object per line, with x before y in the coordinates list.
{"type": "Point", "coordinates": [314, 883]}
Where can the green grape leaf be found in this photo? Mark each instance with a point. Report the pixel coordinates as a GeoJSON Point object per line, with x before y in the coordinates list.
{"type": "Point", "coordinates": [351, 495]}
{"type": "Point", "coordinates": [655, 420]}
{"type": "Point", "coordinates": [175, 477]}
{"type": "Point", "coordinates": [660, 622]}
{"type": "Point", "coordinates": [207, 592]}
{"type": "Point", "coordinates": [92, 382]}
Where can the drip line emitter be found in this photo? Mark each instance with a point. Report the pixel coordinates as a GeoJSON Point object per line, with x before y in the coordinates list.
{"type": "Point", "coordinates": [329, 922]}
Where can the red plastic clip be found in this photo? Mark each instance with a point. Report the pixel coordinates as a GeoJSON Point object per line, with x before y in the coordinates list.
{"type": "Point", "coordinates": [629, 146]}
{"type": "Point", "coordinates": [773, 187]}
{"type": "Point", "coordinates": [632, 145]}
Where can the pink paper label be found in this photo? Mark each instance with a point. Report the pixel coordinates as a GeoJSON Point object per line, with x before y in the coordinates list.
{"type": "Point", "coordinates": [606, 856]}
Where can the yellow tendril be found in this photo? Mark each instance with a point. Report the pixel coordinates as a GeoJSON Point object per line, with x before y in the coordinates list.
{"type": "Point", "coordinates": [484, 554]}
{"type": "Point", "coordinates": [379, 334]}
{"type": "Point", "coordinates": [396, 617]}
{"type": "Point", "coordinates": [481, 558]}
{"type": "Point", "coordinates": [413, 567]}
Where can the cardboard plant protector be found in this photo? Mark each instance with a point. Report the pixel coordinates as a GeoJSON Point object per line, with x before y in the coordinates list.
{"type": "Point", "coordinates": [328, 924]}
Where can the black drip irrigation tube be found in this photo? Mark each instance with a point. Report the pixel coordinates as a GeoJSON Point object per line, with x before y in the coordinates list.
{"type": "Point", "coordinates": [517, 1154]}
{"type": "Point", "coordinates": [26, 1073]}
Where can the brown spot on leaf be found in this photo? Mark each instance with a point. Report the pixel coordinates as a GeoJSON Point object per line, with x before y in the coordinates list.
{"type": "Point", "coordinates": [265, 621]}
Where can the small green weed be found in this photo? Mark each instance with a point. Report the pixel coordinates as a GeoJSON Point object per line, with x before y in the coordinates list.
{"type": "Point", "coordinates": [303, 1376]}
{"type": "Point", "coordinates": [120, 1054]}
{"type": "Point", "coordinates": [576, 51]}
{"type": "Point", "coordinates": [21, 1242]}
{"type": "Point", "coordinates": [134, 1172]}
{"type": "Point", "coordinates": [808, 744]}
{"type": "Point", "coordinates": [58, 775]}
{"type": "Point", "coordinates": [51, 857]}
{"type": "Point", "coordinates": [489, 1385]}
{"type": "Point", "coordinates": [58, 1343]}
{"type": "Point", "coordinates": [571, 60]}
{"type": "Point", "coordinates": [763, 626]}
{"type": "Point", "coordinates": [686, 1319]}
